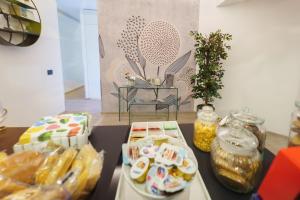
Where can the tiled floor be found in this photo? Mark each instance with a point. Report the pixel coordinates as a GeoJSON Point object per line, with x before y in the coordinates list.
{"type": "Point", "coordinates": [75, 102]}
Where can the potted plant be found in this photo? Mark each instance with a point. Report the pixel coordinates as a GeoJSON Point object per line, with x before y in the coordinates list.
{"type": "Point", "coordinates": [210, 52]}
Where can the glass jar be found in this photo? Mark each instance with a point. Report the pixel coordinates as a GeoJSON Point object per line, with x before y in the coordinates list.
{"type": "Point", "coordinates": [235, 158]}
{"type": "Point", "coordinates": [205, 128]}
{"type": "Point", "coordinates": [251, 122]}
{"type": "Point", "coordinates": [294, 137]}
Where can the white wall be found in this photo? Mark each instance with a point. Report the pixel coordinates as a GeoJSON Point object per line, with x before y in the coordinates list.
{"type": "Point", "coordinates": [25, 89]}
{"type": "Point", "coordinates": [71, 51]}
{"type": "Point", "coordinates": [263, 68]}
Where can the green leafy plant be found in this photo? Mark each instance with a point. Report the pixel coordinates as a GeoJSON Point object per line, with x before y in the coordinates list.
{"type": "Point", "coordinates": [210, 52]}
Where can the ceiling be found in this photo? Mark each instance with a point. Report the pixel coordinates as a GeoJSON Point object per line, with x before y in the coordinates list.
{"type": "Point", "coordinates": [73, 7]}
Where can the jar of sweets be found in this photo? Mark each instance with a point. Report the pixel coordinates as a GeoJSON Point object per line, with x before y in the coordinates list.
{"type": "Point", "coordinates": [205, 128]}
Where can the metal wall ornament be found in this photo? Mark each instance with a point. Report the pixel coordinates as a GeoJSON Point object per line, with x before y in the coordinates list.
{"type": "Point", "coordinates": [20, 23]}
{"type": "Point", "coordinates": [159, 43]}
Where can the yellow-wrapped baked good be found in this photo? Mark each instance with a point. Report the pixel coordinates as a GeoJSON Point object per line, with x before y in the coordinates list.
{"type": "Point", "coordinates": [44, 170]}
{"type": "Point", "coordinates": [84, 173]}
{"type": "Point", "coordinates": [61, 167]}
{"type": "Point", "coordinates": [22, 166]}
{"type": "Point", "coordinates": [9, 186]}
{"type": "Point", "coordinates": [3, 156]}
{"type": "Point", "coordinates": [38, 193]}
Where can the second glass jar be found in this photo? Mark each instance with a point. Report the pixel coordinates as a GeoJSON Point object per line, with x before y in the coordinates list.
{"type": "Point", "coordinates": [205, 128]}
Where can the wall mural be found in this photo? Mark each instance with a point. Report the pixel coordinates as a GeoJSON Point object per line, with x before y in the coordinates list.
{"type": "Point", "coordinates": [153, 42]}
{"type": "Point", "coordinates": [159, 43]}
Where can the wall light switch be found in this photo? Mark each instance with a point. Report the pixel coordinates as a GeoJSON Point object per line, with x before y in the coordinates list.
{"type": "Point", "coordinates": [50, 72]}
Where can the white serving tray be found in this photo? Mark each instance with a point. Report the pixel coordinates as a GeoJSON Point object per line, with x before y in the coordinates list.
{"type": "Point", "coordinates": [196, 191]}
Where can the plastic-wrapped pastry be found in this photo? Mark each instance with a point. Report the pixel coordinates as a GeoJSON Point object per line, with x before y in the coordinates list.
{"type": "Point", "coordinates": [94, 171]}
{"type": "Point", "coordinates": [22, 166]}
{"type": "Point", "coordinates": [85, 172]}
{"type": "Point", "coordinates": [139, 169]}
{"type": "Point", "coordinates": [9, 186]}
{"type": "Point", "coordinates": [3, 156]}
{"type": "Point", "coordinates": [61, 167]}
{"type": "Point", "coordinates": [38, 193]}
{"type": "Point", "coordinates": [47, 166]}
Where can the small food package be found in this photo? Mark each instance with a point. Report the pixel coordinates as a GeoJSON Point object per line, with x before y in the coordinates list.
{"type": "Point", "coordinates": [174, 184]}
{"type": "Point", "coordinates": [155, 128]}
{"type": "Point", "coordinates": [170, 155]}
{"type": "Point", "coordinates": [171, 129]}
{"type": "Point", "coordinates": [9, 186]}
{"type": "Point", "coordinates": [22, 166]}
{"type": "Point", "coordinates": [187, 170]}
{"type": "Point", "coordinates": [38, 193]}
{"type": "Point", "coordinates": [139, 169]}
{"type": "Point", "coordinates": [149, 151]}
{"type": "Point", "coordinates": [84, 173]}
{"type": "Point", "coordinates": [61, 167]}
{"type": "Point", "coordinates": [155, 179]}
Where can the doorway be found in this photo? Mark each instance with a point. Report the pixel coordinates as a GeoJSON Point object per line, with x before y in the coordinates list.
{"type": "Point", "coordinates": [78, 27]}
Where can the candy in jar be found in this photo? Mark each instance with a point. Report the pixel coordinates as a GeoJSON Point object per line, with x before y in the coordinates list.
{"type": "Point", "coordinates": [205, 128]}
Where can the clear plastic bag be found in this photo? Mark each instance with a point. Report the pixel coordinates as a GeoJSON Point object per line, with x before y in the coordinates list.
{"type": "Point", "coordinates": [9, 186]}
{"type": "Point", "coordinates": [61, 166]}
{"type": "Point", "coordinates": [85, 172]}
{"type": "Point", "coordinates": [38, 193]}
{"type": "Point", "coordinates": [22, 166]}
{"type": "Point", "coordinates": [45, 169]}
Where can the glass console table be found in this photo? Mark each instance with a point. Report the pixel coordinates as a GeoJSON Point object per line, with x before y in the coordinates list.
{"type": "Point", "coordinates": [154, 102]}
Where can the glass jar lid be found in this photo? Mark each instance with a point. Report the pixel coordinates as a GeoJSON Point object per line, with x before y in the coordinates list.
{"type": "Point", "coordinates": [246, 116]}
{"type": "Point", "coordinates": [238, 141]}
{"type": "Point", "coordinates": [207, 114]}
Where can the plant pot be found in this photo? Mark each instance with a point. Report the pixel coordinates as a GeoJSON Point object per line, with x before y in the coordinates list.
{"type": "Point", "coordinates": [200, 106]}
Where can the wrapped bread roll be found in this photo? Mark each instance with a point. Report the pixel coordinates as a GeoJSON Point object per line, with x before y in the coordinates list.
{"type": "Point", "coordinates": [22, 166]}
{"type": "Point", "coordinates": [45, 169]}
{"type": "Point", "coordinates": [9, 186]}
{"type": "Point", "coordinates": [61, 167]}
{"type": "Point", "coordinates": [37, 193]}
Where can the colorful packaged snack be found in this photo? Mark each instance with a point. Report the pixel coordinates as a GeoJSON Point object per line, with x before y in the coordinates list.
{"type": "Point", "coordinates": [170, 155]}
{"type": "Point", "coordinates": [155, 179]}
{"type": "Point", "coordinates": [174, 184]}
{"type": "Point", "coordinates": [187, 169]}
{"type": "Point", "coordinates": [139, 169]}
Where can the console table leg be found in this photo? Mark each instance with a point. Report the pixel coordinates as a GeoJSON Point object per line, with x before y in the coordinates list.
{"type": "Point", "coordinates": [119, 98]}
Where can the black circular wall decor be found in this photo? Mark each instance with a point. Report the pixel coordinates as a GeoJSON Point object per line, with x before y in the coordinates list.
{"type": "Point", "coordinates": [20, 23]}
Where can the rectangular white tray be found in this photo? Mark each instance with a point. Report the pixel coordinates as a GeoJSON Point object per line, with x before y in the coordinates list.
{"type": "Point", "coordinates": [197, 190]}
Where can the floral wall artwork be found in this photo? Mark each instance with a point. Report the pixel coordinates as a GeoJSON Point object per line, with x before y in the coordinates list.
{"type": "Point", "coordinates": [147, 39]}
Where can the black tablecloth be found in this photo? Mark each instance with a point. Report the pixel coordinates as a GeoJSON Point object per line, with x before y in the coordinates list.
{"type": "Point", "coordinates": [214, 187]}
{"type": "Point", "coordinates": [111, 138]}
